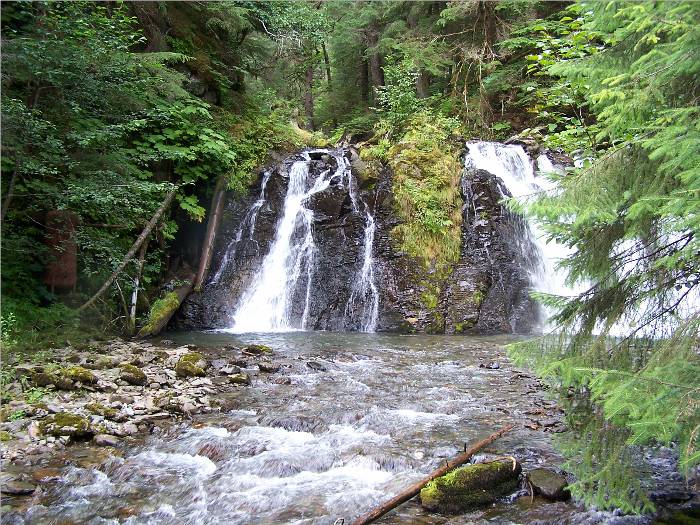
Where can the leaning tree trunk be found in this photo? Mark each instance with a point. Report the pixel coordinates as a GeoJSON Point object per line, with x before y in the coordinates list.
{"type": "Point", "coordinates": [309, 97]}
{"type": "Point", "coordinates": [134, 248]}
{"type": "Point", "coordinates": [135, 292]}
{"type": "Point", "coordinates": [217, 206]}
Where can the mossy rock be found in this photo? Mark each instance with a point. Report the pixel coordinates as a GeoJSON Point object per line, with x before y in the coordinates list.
{"type": "Point", "coordinates": [239, 379]}
{"type": "Point", "coordinates": [79, 374]}
{"type": "Point", "coordinates": [5, 436]}
{"type": "Point", "coordinates": [469, 487]}
{"type": "Point", "coordinates": [191, 364]}
{"type": "Point", "coordinates": [257, 349]}
{"type": "Point", "coordinates": [44, 379]}
{"type": "Point", "coordinates": [65, 424]}
{"type": "Point", "coordinates": [549, 484]}
{"type": "Point", "coordinates": [132, 374]}
{"type": "Point", "coordinates": [101, 410]}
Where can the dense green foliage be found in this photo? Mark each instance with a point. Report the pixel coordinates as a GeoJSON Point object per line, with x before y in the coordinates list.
{"type": "Point", "coordinates": [107, 107]}
{"type": "Point", "coordinates": [630, 341]}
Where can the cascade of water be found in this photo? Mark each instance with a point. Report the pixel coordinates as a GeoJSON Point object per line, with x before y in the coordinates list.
{"type": "Point", "coordinates": [249, 220]}
{"type": "Point", "coordinates": [514, 168]}
{"type": "Point", "coordinates": [365, 291]}
{"type": "Point", "coordinates": [266, 305]}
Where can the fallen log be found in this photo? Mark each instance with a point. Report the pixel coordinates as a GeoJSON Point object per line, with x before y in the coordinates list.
{"type": "Point", "coordinates": [134, 248]}
{"type": "Point", "coordinates": [414, 489]}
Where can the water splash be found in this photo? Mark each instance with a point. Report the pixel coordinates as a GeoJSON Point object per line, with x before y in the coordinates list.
{"type": "Point", "coordinates": [365, 292]}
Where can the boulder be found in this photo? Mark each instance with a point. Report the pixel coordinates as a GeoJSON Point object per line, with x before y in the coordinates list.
{"type": "Point", "coordinates": [191, 364]}
{"type": "Point", "coordinates": [257, 349]}
{"type": "Point", "coordinates": [78, 374]}
{"type": "Point", "coordinates": [239, 379]}
{"type": "Point", "coordinates": [549, 484]}
{"type": "Point", "coordinates": [17, 488]}
{"type": "Point", "coordinates": [66, 424]}
{"type": "Point", "coordinates": [469, 487]}
{"type": "Point", "coordinates": [268, 367]}
{"type": "Point", "coordinates": [106, 440]}
{"type": "Point", "coordinates": [132, 375]}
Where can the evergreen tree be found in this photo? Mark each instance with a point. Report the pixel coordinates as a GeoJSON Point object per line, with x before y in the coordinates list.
{"type": "Point", "coordinates": [629, 343]}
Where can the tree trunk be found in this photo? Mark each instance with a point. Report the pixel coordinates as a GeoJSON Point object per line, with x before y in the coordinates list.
{"type": "Point", "coordinates": [135, 292]}
{"type": "Point", "coordinates": [216, 209]}
{"type": "Point", "coordinates": [327, 63]}
{"type": "Point", "coordinates": [364, 80]}
{"type": "Point", "coordinates": [375, 59]}
{"type": "Point", "coordinates": [423, 84]}
{"type": "Point", "coordinates": [155, 326]}
{"type": "Point", "coordinates": [10, 191]}
{"type": "Point", "coordinates": [414, 489]}
{"type": "Point", "coordinates": [130, 254]}
{"type": "Point", "coordinates": [309, 97]}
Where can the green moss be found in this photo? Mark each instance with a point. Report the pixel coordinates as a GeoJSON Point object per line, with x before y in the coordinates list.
{"type": "Point", "coordinates": [258, 349]}
{"type": "Point", "coordinates": [469, 487]}
{"type": "Point", "coordinates": [132, 374]}
{"type": "Point", "coordinates": [79, 374]}
{"type": "Point", "coordinates": [161, 308]}
{"type": "Point", "coordinates": [239, 379]}
{"type": "Point", "coordinates": [101, 410]}
{"type": "Point", "coordinates": [427, 172]}
{"type": "Point", "coordinates": [65, 424]}
{"type": "Point", "coordinates": [191, 365]}
{"type": "Point", "coordinates": [5, 436]}
{"type": "Point", "coordinates": [429, 300]}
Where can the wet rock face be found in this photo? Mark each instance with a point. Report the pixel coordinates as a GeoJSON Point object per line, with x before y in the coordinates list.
{"type": "Point", "coordinates": [338, 232]}
{"type": "Point", "coordinates": [486, 291]}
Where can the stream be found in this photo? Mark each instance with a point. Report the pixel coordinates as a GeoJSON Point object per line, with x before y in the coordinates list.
{"type": "Point", "coordinates": [316, 442]}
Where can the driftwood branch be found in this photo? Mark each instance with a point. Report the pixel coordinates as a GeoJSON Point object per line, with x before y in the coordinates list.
{"type": "Point", "coordinates": [414, 489]}
{"type": "Point", "coordinates": [134, 248]}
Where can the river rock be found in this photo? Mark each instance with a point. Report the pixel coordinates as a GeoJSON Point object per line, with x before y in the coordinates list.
{"type": "Point", "coordinates": [66, 424]}
{"type": "Point", "coordinates": [315, 365]}
{"type": "Point", "coordinates": [106, 440]}
{"type": "Point", "coordinates": [17, 488]}
{"type": "Point", "coordinates": [192, 364]}
{"type": "Point", "coordinates": [268, 367]}
{"type": "Point", "coordinates": [132, 375]}
{"type": "Point", "coordinates": [257, 349]}
{"type": "Point", "coordinates": [469, 487]}
{"type": "Point", "coordinates": [78, 374]}
{"type": "Point", "coordinates": [239, 379]}
{"type": "Point", "coordinates": [549, 484]}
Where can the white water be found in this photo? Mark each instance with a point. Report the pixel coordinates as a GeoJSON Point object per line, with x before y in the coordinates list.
{"type": "Point", "coordinates": [365, 291]}
{"type": "Point", "coordinates": [249, 220]}
{"type": "Point", "coordinates": [266, 305]}
{"type": "Point", "coordinates": [514, 167]}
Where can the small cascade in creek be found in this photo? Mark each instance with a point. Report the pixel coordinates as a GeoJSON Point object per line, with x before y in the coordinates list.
{"type": "Point", "coordinates": [512, 165]}
{"type": "Point", "coordinates": [287, 271]}
{"type": "Point", "coordinates": [249, 222]}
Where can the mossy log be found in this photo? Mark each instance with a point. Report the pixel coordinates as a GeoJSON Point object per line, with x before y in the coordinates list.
{"type": "Point", "coordinates": [163, 309]}
{"type": "Point", "coordinates": [414, 489]}
{"type": "Point", "coordinates": [471, 486]}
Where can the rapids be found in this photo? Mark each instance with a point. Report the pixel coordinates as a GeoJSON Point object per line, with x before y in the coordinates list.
{"type": "Point", "coordinates": [376, 413]}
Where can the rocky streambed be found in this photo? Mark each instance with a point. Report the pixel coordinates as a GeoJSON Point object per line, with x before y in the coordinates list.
{"type": "Point", "coordinates": [280, 428]}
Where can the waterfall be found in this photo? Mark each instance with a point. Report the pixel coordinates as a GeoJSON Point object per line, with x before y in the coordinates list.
{"type": "Point", "coordinates": [365, 291]}
{"type": "Point", "coordinates": [287, 270]}
{"type": "Point", "coordinates": [514, 168]}
{"type": "Point", "coordinates": [248, 220]}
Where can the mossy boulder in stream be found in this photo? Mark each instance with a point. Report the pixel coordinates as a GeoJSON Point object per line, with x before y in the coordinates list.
{"type": "Point", "coordinates": [65, 424]}
{"type": "Point", "coordinates": [469, 487]}
{"type": "Point", "coordinates": [79, 374]}
{"type": "Point", "coordinates": [191, 364]}
{"type": "Point", "coordinates": [257, 349]}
